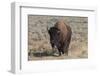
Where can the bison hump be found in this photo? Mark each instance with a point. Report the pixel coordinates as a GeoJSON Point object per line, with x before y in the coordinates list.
{"type": "Point", "coordinates": [61, 26]}
{"type": "Point", "coordinates": [64, 28]}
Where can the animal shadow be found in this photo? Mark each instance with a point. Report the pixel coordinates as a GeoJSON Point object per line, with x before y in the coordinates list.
{"type": "Point", "coordinates": [43, 54]}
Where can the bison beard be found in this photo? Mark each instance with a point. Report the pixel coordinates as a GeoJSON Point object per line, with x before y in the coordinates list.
{"type": "Point", "coordinates": [60, 36]}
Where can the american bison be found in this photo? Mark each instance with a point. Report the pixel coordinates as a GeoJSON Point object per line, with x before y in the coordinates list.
{"type": "Point", "coordinates": [60, 36]}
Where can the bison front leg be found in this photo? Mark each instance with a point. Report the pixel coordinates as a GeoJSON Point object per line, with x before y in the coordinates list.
{"type": "Point", "coordinates": [53, 47]}
{"type": "Point", "coordinates": [62, 51]}
{"type": "Point", "coordinates": [59, 50]}
{"type": "Point", "coordinates": [59, 53]}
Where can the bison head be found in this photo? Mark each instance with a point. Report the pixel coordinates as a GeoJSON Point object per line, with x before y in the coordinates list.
{"type": "Point", "coordinates": [54, 36]}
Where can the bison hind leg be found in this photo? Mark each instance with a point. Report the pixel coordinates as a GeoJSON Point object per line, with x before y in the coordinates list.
{"type": "Point", "coordinates": [67, 52]}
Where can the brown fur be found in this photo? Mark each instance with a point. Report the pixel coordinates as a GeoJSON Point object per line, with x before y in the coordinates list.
{"type": "Point", "coordinates": [60, 36]}
{"type": "Point", "coordinates": [65, 34]}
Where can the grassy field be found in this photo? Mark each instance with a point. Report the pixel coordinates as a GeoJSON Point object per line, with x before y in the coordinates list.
{"type": "Point", "coordinates": [39, 47]}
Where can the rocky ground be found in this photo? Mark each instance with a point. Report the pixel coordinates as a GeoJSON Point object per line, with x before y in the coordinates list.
{"type": "Point", "coordinates": [39, 47]}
